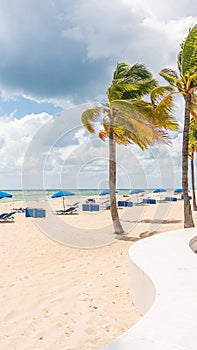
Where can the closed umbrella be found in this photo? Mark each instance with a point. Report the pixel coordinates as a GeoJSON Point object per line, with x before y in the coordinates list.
{"type": "Point", "coordinates": [62, 194]}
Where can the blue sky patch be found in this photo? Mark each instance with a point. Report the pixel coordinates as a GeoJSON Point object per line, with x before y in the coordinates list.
{"type": "Point", "coordinates": [21, 106]}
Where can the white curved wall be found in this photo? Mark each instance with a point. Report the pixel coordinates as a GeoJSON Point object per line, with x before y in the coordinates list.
{"type": "Point", "coordinates": [142, 289]}
{"type": "Point", "coordinates": [164, 288]}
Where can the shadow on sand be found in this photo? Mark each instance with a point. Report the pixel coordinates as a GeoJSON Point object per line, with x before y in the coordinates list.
{"type": "Point", "coordinates": [148, 234]}
{"type": "Point", "coordinates": [135, 239]}
{"type": "Point", "coordinates": [127, 238]}
{"type": "Point", "coordinates": [160, 221]}
{"type": "Point", "coordinates": [155, 221]}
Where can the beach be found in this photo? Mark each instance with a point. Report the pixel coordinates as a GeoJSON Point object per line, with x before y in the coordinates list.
{"type": "Point", "coordinates": [71, 297]}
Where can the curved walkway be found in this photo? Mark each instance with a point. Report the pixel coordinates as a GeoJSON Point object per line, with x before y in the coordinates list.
{"type": "Point", "coordinates": [164, 288]}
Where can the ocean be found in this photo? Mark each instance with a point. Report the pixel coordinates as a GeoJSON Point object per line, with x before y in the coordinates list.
{"type": "Point", "coordinates": [37, 195]}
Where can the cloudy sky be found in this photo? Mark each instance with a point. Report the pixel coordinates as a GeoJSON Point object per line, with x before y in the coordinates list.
{"type": "Point", "coordinates": [57, 58]}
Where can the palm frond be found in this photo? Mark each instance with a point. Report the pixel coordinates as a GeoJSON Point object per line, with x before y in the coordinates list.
{"type": "Point", "coordinates": [189, 53]}
{"type": "Point", "coordinates": [193, 81]}
{"type": "Point", "coordinates": [130, 89]}
{"type": "Point", "coordinates": [190, 151]}
{"type": "Point", "coordinates": [129, 134]}
{"type": "Point", "coordinates": [169, 75]}
{"type": "Point", "coordinates": [163, 114]}
{"type": "Point", "coordinates": [135, 109]}
{"type": "Point", "coordinates": [179, 60]}
{"type": "Point", "coordinates": [135, 117]}
{"type": "Point", "coordinates": [193, 129]}
{"type": "Point", "coordinates": [90, 116]}
{"type": "Point", "coordinates": [139, 72]}
{"type": "Point", "coordinates": [181, 84]}
{"type": "Point", "coordinates": [143, 136]}
{"type": "Point", "coordinates": [103, 135]}
{"type": "Point", "coordinates": [138, 76]}
{"type": "Point", "coordinates": [141, 77]}
{"type": "Point", "coordinates": [193, 107]}
{"type": "Point", "coordinates": [194, 114]}
{"type": "Point", "coordinates": [142, 107]}
{"type": "Point", "coordinates": [106, 123]}
{"type": "Point", "coordinates": [159, 92]}
{"type": "Point", "coordinates": [145, 86]}
{"type": "Point", "coordinates": [192, 147]}
{"type": "Point", "coordinates": [134, 120]}
{"type": "Point", "coordinates": [122, 91]}
{"type": "Point", "coordinates": [120, 71]}
{"type": "Point", "coordinates": [136, 72]}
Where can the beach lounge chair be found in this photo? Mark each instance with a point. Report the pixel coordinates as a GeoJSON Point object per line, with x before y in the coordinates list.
{"type": "Point", "coordinates": [70, 210]}
{"type": "Point", "coordinates": [7, 217]}
{"type": "Point", "coordinates": [182, 197]}
{"type": "Point", "coordinates": [149, 201]}
{"type": "Point", "coordinates": [126, 203]}
{"type": "Point", "coordinates": [170, 199]}
{"type": "Point", "coordinates": [3, 215]}
{"type": "Point", "coordinates": [19, 210]}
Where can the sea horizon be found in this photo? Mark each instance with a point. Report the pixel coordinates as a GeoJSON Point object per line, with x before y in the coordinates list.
{"type": "Point", "coordinates": [45, 194]}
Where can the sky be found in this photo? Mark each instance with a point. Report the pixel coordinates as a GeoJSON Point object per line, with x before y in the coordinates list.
{"type": "Point", "coordinates": [57, 59]}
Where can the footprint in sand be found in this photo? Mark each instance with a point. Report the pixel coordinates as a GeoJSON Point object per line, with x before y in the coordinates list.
{"type": "Point", "coordinates": [89, 331]}
{"type": "Point", "coordinates": [9, 316]}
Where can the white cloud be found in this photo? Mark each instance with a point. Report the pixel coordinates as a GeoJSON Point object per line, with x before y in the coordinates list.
{"type": "Point", "coordinates": [14, 140]}
{"type": "Point", "coordinates": [66, 52]}
{"type": "Point", "coordinates": [58, 150]}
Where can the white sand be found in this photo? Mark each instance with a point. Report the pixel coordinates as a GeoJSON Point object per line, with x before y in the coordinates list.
{"type": "Point", "coordinates": [58, 297]}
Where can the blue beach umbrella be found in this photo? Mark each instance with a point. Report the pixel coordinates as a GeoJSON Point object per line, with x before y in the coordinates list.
{"type": "Point", "coordinates": [62, 194]}
{"type": "Point", "coordinates": [5, 195]}
{"type": "Point", "coordinates": [136, 191]}
{"type": "Point", "coordinates": [178, 190]}
{"type": "Point", "coordinates": [104, 192]}
{"type": "Point", "coordinates": [159, 190]}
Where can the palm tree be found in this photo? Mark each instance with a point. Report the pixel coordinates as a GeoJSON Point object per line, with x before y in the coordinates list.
{"type": "Point", "coordinates": [192, 150]}
{"type": "Point", "coordinates": [126, 118]}
{"type": "Point", "coordinates": [185, 82]}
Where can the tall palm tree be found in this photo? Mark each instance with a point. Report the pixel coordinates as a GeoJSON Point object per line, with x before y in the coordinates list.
{"type": "Point", "coordinates": [185, 82]}
{"type": "Point", "coordinates": [126, 118]}
{"type": "Point", "coordinates": [192, 149]}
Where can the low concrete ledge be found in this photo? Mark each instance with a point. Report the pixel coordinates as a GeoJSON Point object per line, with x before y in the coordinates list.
{"type": "Point", "coordinates": [164, 288]}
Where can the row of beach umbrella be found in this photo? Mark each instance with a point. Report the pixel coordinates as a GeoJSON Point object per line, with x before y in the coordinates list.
{"type": "Point", "coordinates": [65, 193]}
{"type": "Point", "coordinates": [157, 190]}
{"type": "Point", "coordinates": [104, 192]}
{"type": "Point", "coordinates": [69, 193]}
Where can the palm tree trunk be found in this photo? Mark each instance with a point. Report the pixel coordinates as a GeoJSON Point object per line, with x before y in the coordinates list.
{"type": "Point", "coordinates": [112, 180]}
{"type": "Point", "coordinates": [193, 182]}
{"type": "Point", "coordinates": [188, 220]}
